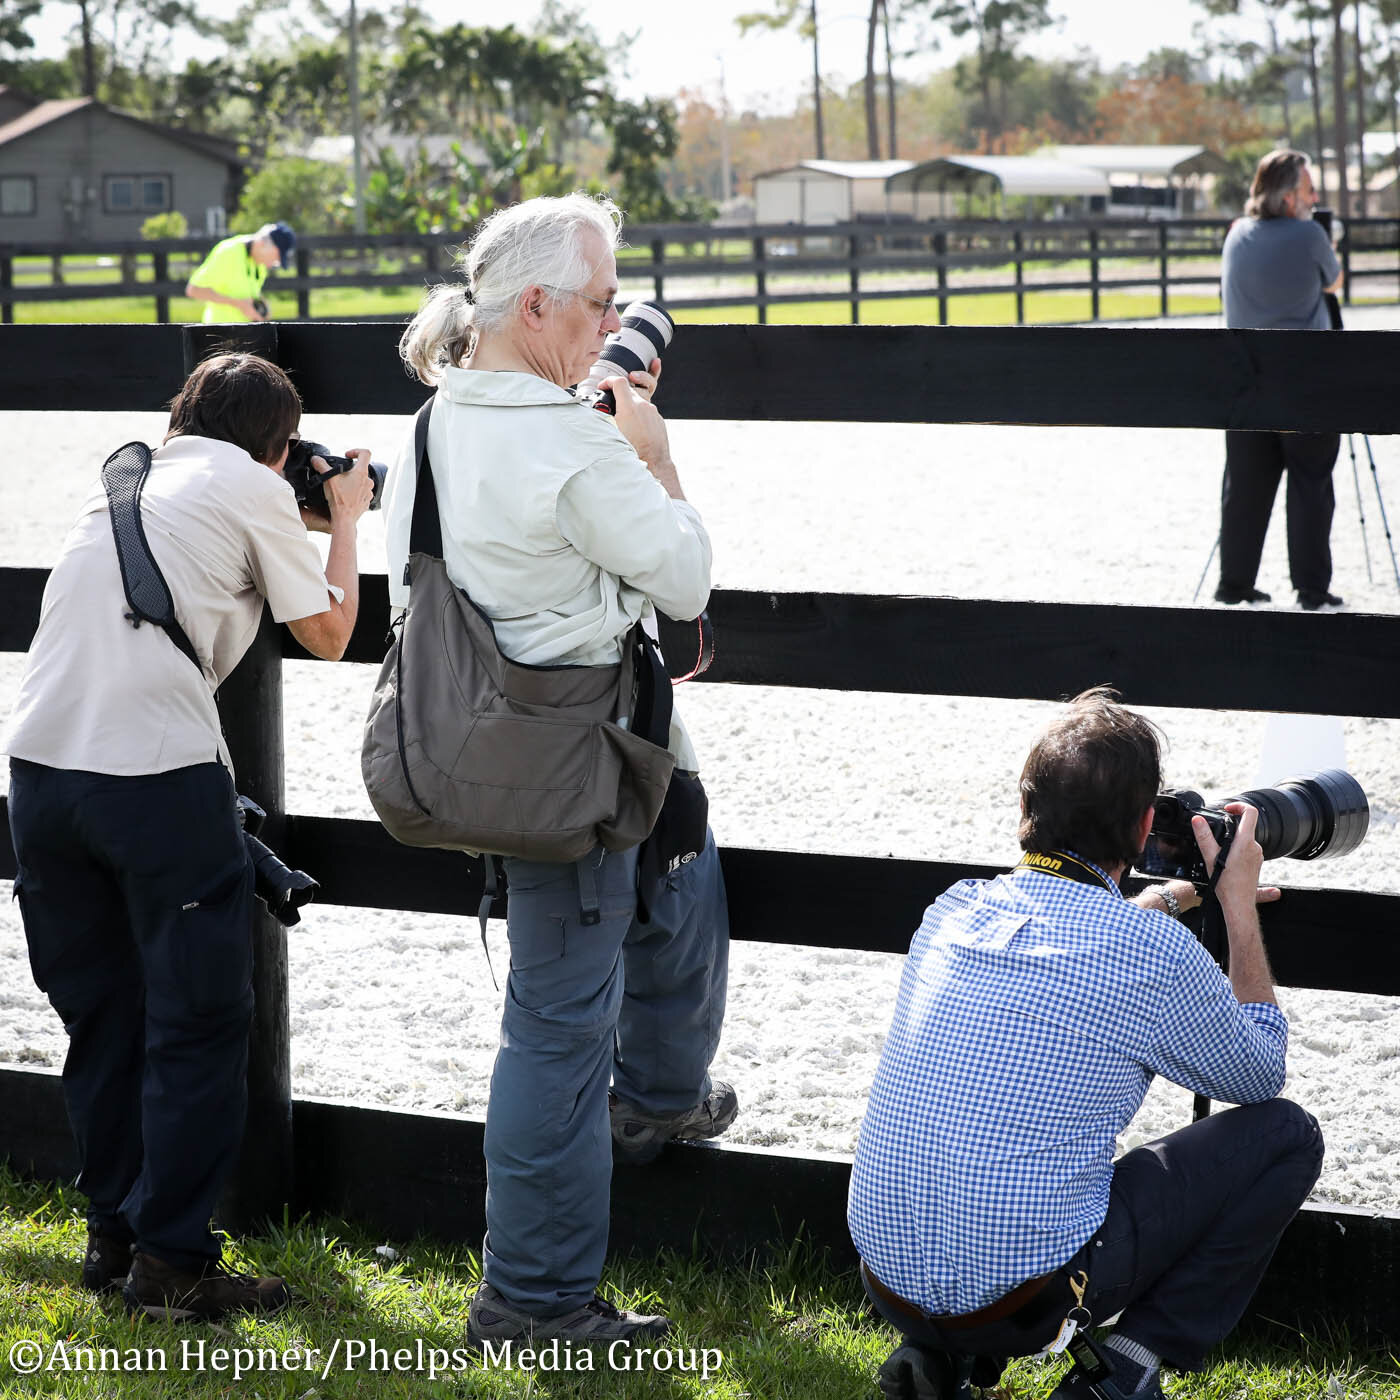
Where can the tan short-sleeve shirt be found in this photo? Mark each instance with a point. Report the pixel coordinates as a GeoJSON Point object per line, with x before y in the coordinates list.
{"type": "Point", "coordinates": [105, 697]}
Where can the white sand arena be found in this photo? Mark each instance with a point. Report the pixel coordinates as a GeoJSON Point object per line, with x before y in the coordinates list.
{"type": "Point", "coordinates": [399, 1010]}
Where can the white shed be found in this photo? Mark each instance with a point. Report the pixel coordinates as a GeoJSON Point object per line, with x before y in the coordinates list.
{"type": "Point", "coordinates": [825, 191]}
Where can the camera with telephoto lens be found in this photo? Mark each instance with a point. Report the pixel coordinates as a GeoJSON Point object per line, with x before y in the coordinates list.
{"type": "Point", "coordinates": [646, 332]}
{"type": "Point", "coordinates": [1307, 818]}
{"type": "Point", "coordinates": [309, 485]}
{"type": "Point", "coordinates": [281, 888]}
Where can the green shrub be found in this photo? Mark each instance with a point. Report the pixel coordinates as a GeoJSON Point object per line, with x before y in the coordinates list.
{"type": "Point", "coordinates": [311, 195]}
{"type": "Point", "coordinates": [171, 224]}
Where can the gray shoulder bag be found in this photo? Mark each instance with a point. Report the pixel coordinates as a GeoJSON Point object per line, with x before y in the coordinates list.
{"type": "Point", "coordinates": [468, 750]}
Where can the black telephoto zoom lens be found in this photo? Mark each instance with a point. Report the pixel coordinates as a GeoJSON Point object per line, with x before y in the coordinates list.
{"type": "Point", "coordinates": [281, 888]}
{"type": "Point", "coordinates": [1308, 817]}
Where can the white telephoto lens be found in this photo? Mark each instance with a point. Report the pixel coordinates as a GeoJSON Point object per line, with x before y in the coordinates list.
{"type": "Point", "coordinates": [646, 332]}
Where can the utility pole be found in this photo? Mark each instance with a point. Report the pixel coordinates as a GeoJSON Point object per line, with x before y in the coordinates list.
{"type": "Point", "coordinates": [356, 131]}
{"type": "Point", "coordinates": [817, 86]}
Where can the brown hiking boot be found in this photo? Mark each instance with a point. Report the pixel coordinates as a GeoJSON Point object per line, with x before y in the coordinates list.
{"type": "Point", "coordinates": [106, 1260]}
{"type": "Point", "coordinates": [168, 1294]}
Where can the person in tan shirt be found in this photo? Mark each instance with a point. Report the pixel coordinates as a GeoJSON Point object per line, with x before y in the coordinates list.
{"type": "Point", "coordinates": [133, 878]}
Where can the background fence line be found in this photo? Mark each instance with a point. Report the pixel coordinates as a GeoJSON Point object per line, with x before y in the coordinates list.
{"type": "Point", "coordinates": [943, 260]}
{"type": "Point", "coordinates": [406, 1171]}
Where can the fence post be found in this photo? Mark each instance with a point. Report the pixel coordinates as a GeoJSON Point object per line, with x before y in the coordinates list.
{"type": "Point", "coordinates": [7, 282]}
{"type": "Point", "coordinates": [1163, 260]}
{"type": "Point", "coordinates": [160, 272]}
{"type": "Point", "coordinates": [855, 280]}
{"type": "Point", "coordinates": [1017, 247]}
{"type": "Point", "coordinates": [250, 710]}
{"type": "Point", "coordinates": [760, 280]}
{"type": "Point", "coordinates": [303, 272]}
{"type": "Point", "coordinates": [658, 277]}
{"type": "Point", "coordinates": [940, 253]}
{"type": "Point", "coordinates": [1346, 264]}
{"type": "Point", "coordinates": [1093, 274]}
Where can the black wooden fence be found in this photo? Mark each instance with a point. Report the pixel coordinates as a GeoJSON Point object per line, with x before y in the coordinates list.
{"type": "Point", "coordinates": [761, 266]}
{"type": "Point", "coordinates": [412, 1171]}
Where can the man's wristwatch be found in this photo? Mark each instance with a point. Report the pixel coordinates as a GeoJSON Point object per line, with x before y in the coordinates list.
{"type": "Point", "coordinates": [1172, 903]}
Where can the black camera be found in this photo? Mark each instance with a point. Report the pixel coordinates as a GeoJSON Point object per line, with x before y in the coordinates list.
{"type": "Point", "coordinates": [309, 485]}
{"type": "Point", "coordinates": [1308, 817]}
{"type": "Point", "coordinates": [281, 888]}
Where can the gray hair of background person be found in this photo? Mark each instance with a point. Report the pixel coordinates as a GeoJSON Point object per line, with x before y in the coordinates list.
{"type": "Point", "coordinates": [541, 242]}
{"type": "Point", "coordinates": [1276, 177]}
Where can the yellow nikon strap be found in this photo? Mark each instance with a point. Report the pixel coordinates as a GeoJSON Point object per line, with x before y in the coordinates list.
{"type": "Point", "coordinates": [1064, 867]}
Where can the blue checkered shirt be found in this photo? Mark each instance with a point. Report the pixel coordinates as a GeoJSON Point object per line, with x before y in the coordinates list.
{"type": "Point", "coordinates": [1032, 1015]}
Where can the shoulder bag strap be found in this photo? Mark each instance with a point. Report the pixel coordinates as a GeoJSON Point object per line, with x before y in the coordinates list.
{"type": "Point", "coordinates": [147, 594]}
{"type": "Point", "coordinates": [425, 530]}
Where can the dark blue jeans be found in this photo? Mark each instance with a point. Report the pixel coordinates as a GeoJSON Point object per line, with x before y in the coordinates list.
{"type": "Point", "coordinates": [136, 894]}
{"type": "Point", "coordinates": [1193, 1220]}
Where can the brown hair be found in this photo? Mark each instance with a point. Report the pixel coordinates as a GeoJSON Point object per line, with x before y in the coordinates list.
{"type": "Point", "coordinates": [238, 398]}
{"type": "Point", "coordinates": [1276, 177]}
{"type": "Point", "coordinates": [1088, 780]}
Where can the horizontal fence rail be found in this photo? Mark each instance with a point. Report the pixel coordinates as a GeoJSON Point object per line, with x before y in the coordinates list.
{"type": "Point", "coordinates": [695, 265]}
{"type": "Point", "coordinates": [1044, 376]}
{"type": "Point", "coordinates": [1344, 940]}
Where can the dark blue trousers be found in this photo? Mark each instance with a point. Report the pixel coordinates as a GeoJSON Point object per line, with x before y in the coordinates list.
{"type": "Point", "coordinates": [1254, 462]}
{"type": "Point", "coordinates": [1193, 1220]}
{"type": "Point", "coordinates": [136, 894]}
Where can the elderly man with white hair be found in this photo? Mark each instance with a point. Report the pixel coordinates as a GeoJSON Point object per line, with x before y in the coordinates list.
{"type": "Point", "coordinates": [566, 527]}
{"type": "Point", "coordinates": [230, 279]}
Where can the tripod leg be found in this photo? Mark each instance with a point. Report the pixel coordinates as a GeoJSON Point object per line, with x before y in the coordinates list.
{"type": "Point", "coordinates": [1209, 559]}
{"type": "Point", "coordinates": [1360, 510]}
{"type": "Point", "coordinates": [1380, 502]}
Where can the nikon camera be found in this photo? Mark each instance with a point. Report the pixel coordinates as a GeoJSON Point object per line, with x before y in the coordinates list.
{"type": "Point", "coordinates": [1308, 817]}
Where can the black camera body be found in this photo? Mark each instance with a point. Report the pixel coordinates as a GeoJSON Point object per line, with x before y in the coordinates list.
{"type": "Point", "coordinates": [309, 485]}
{"type": "Point", "coordinates": [1171, 851]}
{"type": "Point", "coordinates": [281, 888]}
{"type": "Point", "coordinates": [1307, 818]}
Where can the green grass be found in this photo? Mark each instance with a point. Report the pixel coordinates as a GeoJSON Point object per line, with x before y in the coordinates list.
{"type": "Point", "coordinates": [993, 309]}
{"type": "Point", "coordinates": [786, 1326]}
{"type": "Point", "coordinates": [334, 303]}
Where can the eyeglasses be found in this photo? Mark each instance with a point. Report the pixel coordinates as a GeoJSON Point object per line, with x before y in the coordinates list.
{"type": "Point", "coordinates": [603, 306]}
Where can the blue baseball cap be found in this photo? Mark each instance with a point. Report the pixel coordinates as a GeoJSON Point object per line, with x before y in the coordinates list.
{"type": "Point", "coordinates": [286, 241]}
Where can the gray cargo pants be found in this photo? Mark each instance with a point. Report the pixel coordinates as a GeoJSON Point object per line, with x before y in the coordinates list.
{"type": "Point", "coordinates": [639, 1005]}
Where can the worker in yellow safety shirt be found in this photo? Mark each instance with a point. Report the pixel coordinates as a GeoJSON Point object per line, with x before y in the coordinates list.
{"type": "Point", "coordinates": [230, 280]}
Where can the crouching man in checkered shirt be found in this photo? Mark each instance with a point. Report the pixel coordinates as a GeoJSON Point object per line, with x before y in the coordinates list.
{"type": "Point", "coordinates": [1034, 1010]}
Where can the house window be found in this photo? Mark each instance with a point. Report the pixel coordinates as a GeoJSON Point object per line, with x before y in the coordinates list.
{"type": "Point", "coordinates": [16, 195]}
{"type": "Point", "coordinates": [137, 194]}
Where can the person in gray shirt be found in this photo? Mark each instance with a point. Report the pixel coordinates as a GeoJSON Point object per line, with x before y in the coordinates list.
{"type": "Point", "coordinates": [1276, 268]}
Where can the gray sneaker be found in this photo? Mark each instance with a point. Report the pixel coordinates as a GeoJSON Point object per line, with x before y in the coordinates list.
{"type": "Point", "coordinates": [638, 1136]}
{"type": "Point", "coordinates": [493, 1318]}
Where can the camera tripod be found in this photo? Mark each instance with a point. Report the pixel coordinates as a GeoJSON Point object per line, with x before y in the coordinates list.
{"type": "Point", "coordinates": [1360, 515]}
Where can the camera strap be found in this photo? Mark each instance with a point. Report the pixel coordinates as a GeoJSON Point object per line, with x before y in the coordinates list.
{"type": "Point", "coordinates": [1063, 866]}
{"type": "Point", "coordinates": [124, 476]}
